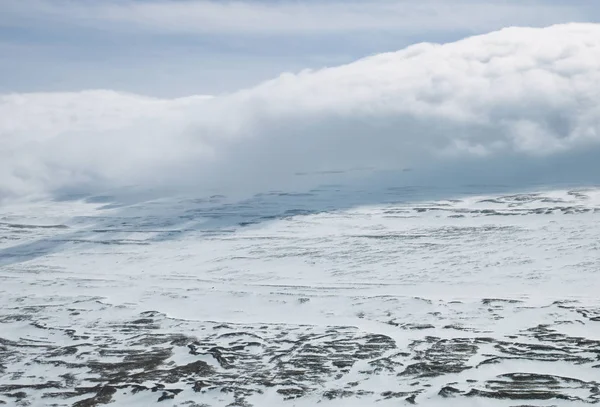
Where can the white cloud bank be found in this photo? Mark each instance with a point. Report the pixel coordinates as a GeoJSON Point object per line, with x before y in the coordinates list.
{"type": "Point", "coordinates": [513, 95]}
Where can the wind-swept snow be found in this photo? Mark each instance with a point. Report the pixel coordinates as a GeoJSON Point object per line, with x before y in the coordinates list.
{"type": "Point", "coordinates": [486, 299]}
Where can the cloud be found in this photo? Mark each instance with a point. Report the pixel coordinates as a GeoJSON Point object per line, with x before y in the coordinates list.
{"type": "Point", "coordinates": [174, 48]}
{"type": "Point", "coordinates": [513, 97]}
{"type": "Point", "coordinates": [309, 17]}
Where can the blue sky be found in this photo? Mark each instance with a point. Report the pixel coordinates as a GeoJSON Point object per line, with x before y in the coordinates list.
{"type": "Point", "coordinates": [174, 48]}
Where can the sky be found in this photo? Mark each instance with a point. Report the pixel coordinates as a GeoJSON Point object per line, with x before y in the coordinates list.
{"type": "Point", "coordinates": [174, 48]}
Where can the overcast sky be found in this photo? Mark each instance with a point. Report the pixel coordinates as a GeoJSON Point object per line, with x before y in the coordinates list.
{"type": "Point", "coordinates": [173, 48]}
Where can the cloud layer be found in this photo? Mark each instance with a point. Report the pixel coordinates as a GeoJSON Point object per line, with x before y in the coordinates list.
{"type": "Point", "coordinates": [510, 97]}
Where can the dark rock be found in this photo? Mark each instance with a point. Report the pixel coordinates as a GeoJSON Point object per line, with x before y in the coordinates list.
{"type": "Point", "coordinates": [18, 395]}
{"type": "Point", "coordinates": [103, 396]}
{"type": "Point", "coordinates": [336, 394]}
{"type": "Point", "coordinates": [291, 393]}
{"type": "Point", "coordinates": [448, 391]}
{"type": "Point", "coordinates": [199, 386]}
{"type": "Point", "coordinates": [166, 396]}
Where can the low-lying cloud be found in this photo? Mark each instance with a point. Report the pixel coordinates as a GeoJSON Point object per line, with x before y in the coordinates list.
{"type": "Point", "coordinates": [514, 96]}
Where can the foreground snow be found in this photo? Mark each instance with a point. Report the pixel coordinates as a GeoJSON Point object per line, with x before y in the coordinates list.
{"type": "Point", "coordinates": [491, 300]}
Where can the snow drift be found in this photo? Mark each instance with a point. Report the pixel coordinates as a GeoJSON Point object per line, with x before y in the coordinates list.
{"type": "Point", "coordinates": [512, 98]}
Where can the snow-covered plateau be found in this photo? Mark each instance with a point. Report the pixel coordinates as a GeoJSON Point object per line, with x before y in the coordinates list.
{"type": "Point", "coordinates": [288, 299]}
